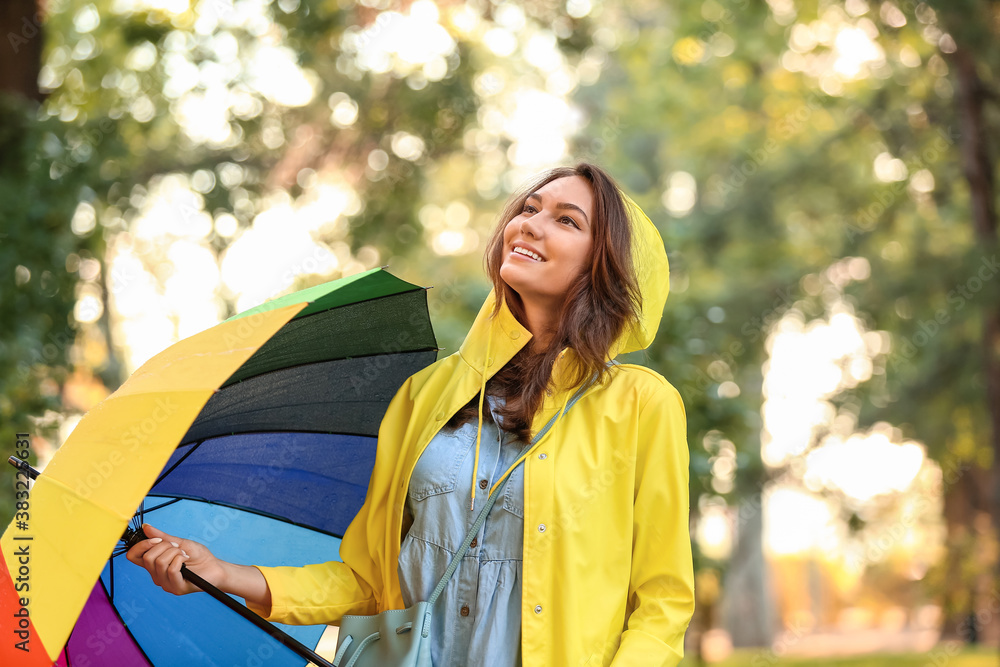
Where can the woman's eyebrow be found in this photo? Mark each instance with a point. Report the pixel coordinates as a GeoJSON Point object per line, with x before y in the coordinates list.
{"type": "Point", "coordinates": [562, 205]}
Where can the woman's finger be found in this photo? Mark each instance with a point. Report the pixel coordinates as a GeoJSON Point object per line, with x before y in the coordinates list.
{"type": "Point", "coordinates": [175, 580]}
{"type": "Point", "coordinates": [152, 532]}
{"type": "Point", "coordinates": [163, 555]}
{"type": "Point", "coordinates": [163, 559]}
{"type": "Point", "coordinates": [156, 561]}
{"type": "Point", "coordinates": [148, 558]}
{"type": "Point", "coordinates": [136, 553]}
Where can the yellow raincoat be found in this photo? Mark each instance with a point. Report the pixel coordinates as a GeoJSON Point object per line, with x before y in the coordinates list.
{"type": "Point", "coordinates": [607, 571]}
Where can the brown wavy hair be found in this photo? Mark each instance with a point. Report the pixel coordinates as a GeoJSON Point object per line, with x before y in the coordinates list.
{"type": "Point", "coordinates": [600, 304]}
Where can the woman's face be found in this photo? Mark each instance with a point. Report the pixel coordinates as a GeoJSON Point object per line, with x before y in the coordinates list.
{"type": "Point", "coordinates": [555, 224]}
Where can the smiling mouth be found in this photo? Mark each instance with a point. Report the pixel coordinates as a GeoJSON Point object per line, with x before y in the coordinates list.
{"type": "Point", "coordinates": [527, 254]}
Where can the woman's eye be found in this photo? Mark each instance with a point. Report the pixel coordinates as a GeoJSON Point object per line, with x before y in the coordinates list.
{"type": "Point", "coordinates": [528, 208]}
{"type": "Point", "coordinates": [571, 221]}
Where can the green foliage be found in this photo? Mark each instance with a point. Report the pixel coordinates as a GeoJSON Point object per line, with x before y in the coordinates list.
{"type": "Point", "coordinates": [39, 257]}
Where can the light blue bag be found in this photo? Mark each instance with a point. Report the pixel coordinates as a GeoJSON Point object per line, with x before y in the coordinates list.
{"type": "Point", "coordinates": [401, 637]}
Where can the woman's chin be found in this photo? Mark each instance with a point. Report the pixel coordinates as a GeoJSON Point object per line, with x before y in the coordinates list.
{"type": "Point", "coordinates": [510, 275]}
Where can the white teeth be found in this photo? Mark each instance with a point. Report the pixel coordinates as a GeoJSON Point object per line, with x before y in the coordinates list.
{"type": "Point", "coordinates": [522, 251]}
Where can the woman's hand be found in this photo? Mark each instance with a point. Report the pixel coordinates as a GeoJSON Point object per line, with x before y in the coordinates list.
{"type": "Point", "coordinates": [162, 556]}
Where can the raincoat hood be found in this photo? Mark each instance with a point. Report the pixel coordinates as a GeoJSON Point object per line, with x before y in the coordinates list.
{"type": "Point", "coordinates": [492, 342]}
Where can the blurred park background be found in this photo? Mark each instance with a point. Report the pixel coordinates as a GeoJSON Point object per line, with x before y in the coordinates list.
{"type": "Point", "coordinates": [821, 171]}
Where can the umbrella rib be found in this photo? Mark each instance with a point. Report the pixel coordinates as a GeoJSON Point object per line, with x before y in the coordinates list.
{"type": "Point", "coordinates": [179, 461]}
{"type": "Point", "coordinates": [169, 502]}
{"type": "Point", "coordinates": [272, 429]}
{"type": "Point", "coordinates": [128, 630]}
{"type": "Point", "coordinates": [369, 300]}
{"type": "Point", "coordinates": [119, 551]}
{"type": "Point", "coordinates": [248, 510]}
{"type": "Point", "coordinates": [227, 384]}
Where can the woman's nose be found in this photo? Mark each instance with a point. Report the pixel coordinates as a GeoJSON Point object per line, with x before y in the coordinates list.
{"type": "Point", "coordinates": [529, 227]}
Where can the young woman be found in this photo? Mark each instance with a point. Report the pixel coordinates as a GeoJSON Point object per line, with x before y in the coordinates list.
{"type": "Point", "coordinates": [586, 558]}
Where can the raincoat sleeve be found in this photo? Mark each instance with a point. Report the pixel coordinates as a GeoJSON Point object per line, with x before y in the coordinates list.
{"type": "Point", "coordinates": [325, 592]}
{"type": "Point", "coordinates": [661, 587]}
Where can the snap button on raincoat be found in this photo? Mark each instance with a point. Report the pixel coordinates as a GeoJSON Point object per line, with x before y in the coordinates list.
{"type": "Point", "coordinates": [609, 581]}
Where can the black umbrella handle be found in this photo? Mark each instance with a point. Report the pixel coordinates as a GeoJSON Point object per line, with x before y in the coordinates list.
{"type": "Point", "coordinates": [131, 537]}
{"type": "Point", "coordinates": [282, 637]}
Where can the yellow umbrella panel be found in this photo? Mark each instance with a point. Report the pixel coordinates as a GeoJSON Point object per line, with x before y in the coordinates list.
{"type": "Point", "coordinates": [59, 541]}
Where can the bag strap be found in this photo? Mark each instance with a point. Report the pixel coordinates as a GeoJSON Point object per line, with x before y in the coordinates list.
{"type": "Point", "coordinates": [481, 519]}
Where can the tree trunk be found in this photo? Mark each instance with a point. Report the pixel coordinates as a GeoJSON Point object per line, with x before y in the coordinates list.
{"type": "Point", "coordinates": [748, 608]}
{"type": "Point", "coordinates": [20, 48]}
{"type": "Point", "coordinates": [964, 499]}
{"type": "Point", "coordinates": [971, 99]}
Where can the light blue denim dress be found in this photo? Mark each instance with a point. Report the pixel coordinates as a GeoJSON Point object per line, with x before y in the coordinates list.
{"type": "Point", "coordinates": [477, 619]}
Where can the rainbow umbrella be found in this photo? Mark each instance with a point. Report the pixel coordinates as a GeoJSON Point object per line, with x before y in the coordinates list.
{"type": "Point", "coordinates": [255, 437]}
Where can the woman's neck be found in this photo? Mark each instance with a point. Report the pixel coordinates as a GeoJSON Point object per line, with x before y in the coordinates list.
{"type": "Point", "coordinates": [541, 321]}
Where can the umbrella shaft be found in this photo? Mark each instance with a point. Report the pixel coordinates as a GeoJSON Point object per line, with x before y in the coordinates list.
{"type": "Point", "coordinates": [23, 467]}
{"type": "Point", "coordinates": [277, 634]}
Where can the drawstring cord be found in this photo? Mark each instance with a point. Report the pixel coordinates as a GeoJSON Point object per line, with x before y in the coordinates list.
{"type": "Point", "coordinates": [500, 434]}
{"type": "Point", "coordinates": [479, 428]}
